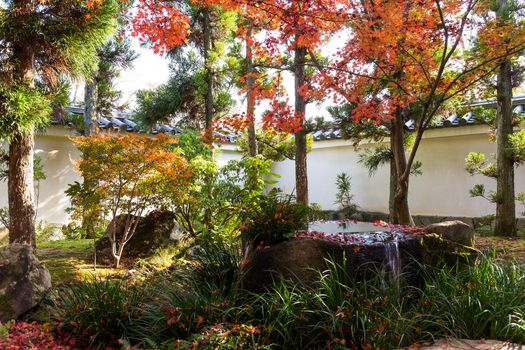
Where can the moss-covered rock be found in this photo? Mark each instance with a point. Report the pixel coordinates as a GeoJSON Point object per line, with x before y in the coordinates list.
{"type": "Point", "coordinates": [153, 231]}
{"type": "Point", "coordinates": [23, 281]}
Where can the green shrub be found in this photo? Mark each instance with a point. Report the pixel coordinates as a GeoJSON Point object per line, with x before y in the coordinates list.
{"type": "Point", "coordinates": [275, 218]}
{"type": "Point", "coordinates": [98, 313]}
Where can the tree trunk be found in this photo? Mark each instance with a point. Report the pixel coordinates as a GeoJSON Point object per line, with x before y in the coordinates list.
{"type": "Point", "coordinates": [505, 224]}
{"type": "Point", "coordinates": [20, 182]}
{"type": "Point", "coordinates": [392, 189]}
{"type": "Point", "coordinates": [208, 103]}
{"type": "Point", "coordinates": [21, 190]}
{"type": "Point", "coordinates": [89, 219]}
{"type": "Point", "coordinates": [250, 103]}
{"type": "Point", "coordinates": [90, 111]}
{"type": "Point", "coordinates": [398, 151]}
{"type": "Point", "coordinates": [301, 170]}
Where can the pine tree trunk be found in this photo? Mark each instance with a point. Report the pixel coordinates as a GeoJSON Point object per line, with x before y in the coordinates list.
{"type": "Point", "coordinates": [505, 224]}
{"type": "Point", "coordinates": [398, 151]}
{"type": "Point", "coordinates": [90, 112]}
{"type": "Point", "coordinates": [250, 103]}
{"type": "Point", "coordinates": [301, 170]}
{"type": "Point", "coordinates": [20, 182]}
{"type": "Point", "coordinates": [21, 190]}
{"type": "Point", "coordinates": [208, 103]}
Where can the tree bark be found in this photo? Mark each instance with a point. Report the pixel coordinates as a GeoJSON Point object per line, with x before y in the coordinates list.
{"type": "Point", "coordinates": [301, 170]}
{"type": "Point", "coordinates": [505, 224]}
{"type": "Point", "coordinates": [398, 151]}
{"type": "Point", "coordinates": [250, 101]}
{"type": "Point", "coordinates": [20, 182]}
{"type": "Point", "coordinates": [392, 188]}
{"type": "Point", "coordinates": [90, 111]}
{"type": "Point", "coordinates": [208, 103]}
{"type": "Point", "coordinates": [21, 190]}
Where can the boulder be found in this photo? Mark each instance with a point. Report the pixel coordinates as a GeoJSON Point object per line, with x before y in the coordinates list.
{"type": "Point", "coordinates": [155, 230]}
{"type": "Point", "coordinates": [302, 260]}
{"type": "Point", "coordinates": [454, 231]}
{"type": "Point", "coordinates": [23, 281]}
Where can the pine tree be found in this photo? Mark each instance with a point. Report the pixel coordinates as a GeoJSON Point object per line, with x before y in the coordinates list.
{"type": "Point", "coordinates": [41, 41]}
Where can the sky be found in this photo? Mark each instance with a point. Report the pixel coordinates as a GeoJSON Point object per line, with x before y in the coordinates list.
{"type": "Point", "coordinates": [149, 71]}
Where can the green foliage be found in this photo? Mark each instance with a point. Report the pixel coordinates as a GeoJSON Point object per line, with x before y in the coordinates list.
{"type": "Point", "coordinates": [44, 231]}
{"type": "Point", "coordinates": [373, 158]}
{"type": "Point", "coordinates": [216, 266]}
{"type": "Point", "coordinates": [217, 197]}
{"type": "Point", "coordinates": [274, 145]}
{"type": "Point", "coordinates": [182, 98]}
{"type": "Point", "coordinates": [520, 198]}
{"type": "Point", "coordinates": [344, 197]}
{"type": "Point", "coordinates": [199, 305]}
{"type": "Point", "coordinates": [475, 163]}
{"type": "Point", "coordinates": [479, 191]}
{"type": "Point", "coordinates": [224, 336]}
{"type": "Point", "coordinates": [114, 56]}
{"type": "Point", "coordinates": [517, 146]}
{"type": "Point", "coordinates": [98, 312]}
{"type": "Point", "coordinates": [23, 109]}
{"type": "Point", "coordinates": [275, 217]}
{"type": "Point", "coordinates": [485, 115]}
{"type": "Point", "coordinates": [85, 203]}
{"type": "Point", "coordinates": [38, 169]}
{"type": "Point", "coordinates": [339, 313]}
{"type": "Point", "coordinates": [191, 146]}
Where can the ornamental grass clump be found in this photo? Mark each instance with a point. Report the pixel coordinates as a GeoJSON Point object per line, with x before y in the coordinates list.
{"type": "Point", "coordinates": [98, 313]}
{"type": "Point", "coordinates": [485, 300]}
{"type": "Point", "coordinates": [191, 298]}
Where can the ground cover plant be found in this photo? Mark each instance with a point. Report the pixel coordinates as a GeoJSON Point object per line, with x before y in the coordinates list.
{"type": "Point", "coordinates": [201, 305]}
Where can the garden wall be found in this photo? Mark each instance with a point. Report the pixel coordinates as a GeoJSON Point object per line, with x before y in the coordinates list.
{"type": "Point", "coordinates": [442, 189]}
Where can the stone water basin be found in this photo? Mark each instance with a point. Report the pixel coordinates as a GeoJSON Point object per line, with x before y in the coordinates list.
{"type": "Point", "coordinates": [364, 249]}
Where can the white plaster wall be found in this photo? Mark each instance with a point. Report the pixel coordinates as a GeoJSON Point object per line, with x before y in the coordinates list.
{"type": "Point", "coordinates": [441, 190]}
{"type": "Point", "coordinates": [57, 153]}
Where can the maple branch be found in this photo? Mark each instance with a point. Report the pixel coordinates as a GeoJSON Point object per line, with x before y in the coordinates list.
{"type": "Point", "coordinates": [419, 63]}
{"type": "Point", "coordinates": [279, 9]}
{"type": "Point", "coordinates": [320, 67]}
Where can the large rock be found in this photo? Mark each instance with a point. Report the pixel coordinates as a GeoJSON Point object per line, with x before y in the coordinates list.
{"type": "Point", "coordinates": [23, 280]}
{"type": "Point", "coordinates": [302, 260]}
{"type": "Point", "coordinates": [454, 231]}
{"type": "Point", "coordinates": [449, 243]}
{"type": "Point", "coordinates": [155, 230]}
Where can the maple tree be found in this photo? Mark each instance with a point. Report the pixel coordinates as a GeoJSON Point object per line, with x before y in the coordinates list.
{"type": "Point", "coordinates": [298, 28]}
{"type": "Point", "coordinates": [405, 60]}
{"type": "Point", "coordinates": [126, 174]}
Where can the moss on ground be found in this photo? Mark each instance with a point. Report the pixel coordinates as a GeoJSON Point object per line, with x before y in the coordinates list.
{"type": "Point", "coordinates": [72, 260]}
{"type": "Point", "coordinates": [508, 248]}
